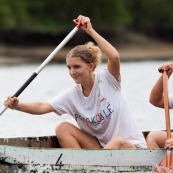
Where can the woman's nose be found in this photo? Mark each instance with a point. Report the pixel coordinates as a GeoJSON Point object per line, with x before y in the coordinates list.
{"type": "Point", "coordinates": [72, 71]}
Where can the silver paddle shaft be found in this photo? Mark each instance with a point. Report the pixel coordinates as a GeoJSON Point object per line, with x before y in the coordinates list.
{"type": "Point", "coordinates": [41, 67]}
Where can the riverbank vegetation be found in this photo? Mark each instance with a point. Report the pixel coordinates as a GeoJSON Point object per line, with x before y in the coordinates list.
{"type": "Point", "coordinates": [38, 22]}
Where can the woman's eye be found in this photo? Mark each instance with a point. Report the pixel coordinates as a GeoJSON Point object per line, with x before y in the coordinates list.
{"type": "Point", "coordinates": [77, 66]}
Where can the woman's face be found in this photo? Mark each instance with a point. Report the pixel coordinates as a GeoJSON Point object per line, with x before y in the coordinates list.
{"type": "Point", "coordinates": [78, 70]}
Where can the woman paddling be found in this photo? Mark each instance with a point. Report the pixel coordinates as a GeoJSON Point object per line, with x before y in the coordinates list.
{"type": "Point", "coordinates": [96, 101]}
{"type": "Point", "coordinates": [158, 139]}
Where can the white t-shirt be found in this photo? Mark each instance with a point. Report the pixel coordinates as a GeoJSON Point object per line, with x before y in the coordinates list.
{"type": "Point", "coordinates": [171, 101]}
{"type": "Point", "coordinates": [104, 113]}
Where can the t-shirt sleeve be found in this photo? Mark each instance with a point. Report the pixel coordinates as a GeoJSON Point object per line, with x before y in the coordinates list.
{"type": "Point", "coordinates": [111, 79]}
{"type": "Point", "coordinates": [61, 103]}
{"type": "Point", "coordinates": [171, 101]}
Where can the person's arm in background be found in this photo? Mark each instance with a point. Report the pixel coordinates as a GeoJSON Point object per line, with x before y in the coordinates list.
{"type": "Point", "coordinates": [156, 95]}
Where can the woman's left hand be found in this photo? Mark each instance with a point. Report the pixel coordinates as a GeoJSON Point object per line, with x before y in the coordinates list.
{"type": "Point", "coordinates": [85, 22]}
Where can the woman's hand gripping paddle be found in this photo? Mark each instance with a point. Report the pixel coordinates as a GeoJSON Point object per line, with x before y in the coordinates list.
{"type": "Point", "coordinates": [166, 164]}
{"type": "Point", "coordinates": [45, 62]}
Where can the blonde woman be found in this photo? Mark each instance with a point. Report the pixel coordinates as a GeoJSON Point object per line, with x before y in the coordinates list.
{"type": "Point", "coordinates": [96, 101]}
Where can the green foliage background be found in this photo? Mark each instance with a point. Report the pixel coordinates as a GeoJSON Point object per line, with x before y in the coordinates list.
{"type": "Point", "coordinates": [52, 16]}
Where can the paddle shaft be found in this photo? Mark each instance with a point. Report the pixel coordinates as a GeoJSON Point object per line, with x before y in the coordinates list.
{"type": "Point", "coordinates": [45, 62]}
{"type": "Point", "coordinates": [167, 116]}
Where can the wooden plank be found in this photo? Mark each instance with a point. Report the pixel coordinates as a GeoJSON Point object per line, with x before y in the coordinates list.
{"type": "Point", "coordinates": [41, 142]}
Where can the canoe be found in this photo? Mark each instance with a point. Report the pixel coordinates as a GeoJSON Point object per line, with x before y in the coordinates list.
{"type": "Point", "coordinates": [43, 155]}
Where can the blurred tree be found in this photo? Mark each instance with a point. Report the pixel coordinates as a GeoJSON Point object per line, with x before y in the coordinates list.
{"type": "Point", "coordinates": [152, 17]}
{"type": "Point", "coordinates": [51, 16]}
{"type": "Point", "coordinates": [13, 14]}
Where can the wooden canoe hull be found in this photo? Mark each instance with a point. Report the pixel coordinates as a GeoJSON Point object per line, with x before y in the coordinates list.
{"type": "Point", "coordinates": [42, 155]}
{"type": "Point", "coordinates": [30, 159]}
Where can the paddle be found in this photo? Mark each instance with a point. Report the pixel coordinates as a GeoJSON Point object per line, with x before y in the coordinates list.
{"type": "Point", "coordinates": [167, 117]}
{"type": "Point", "coordinates": [167, 161]}
{"type": "Point", "coordinates": [45, 62]}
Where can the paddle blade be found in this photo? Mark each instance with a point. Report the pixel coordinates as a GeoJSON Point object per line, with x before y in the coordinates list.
{"type": "Point", "coordinates": [169, 163]}
{"type": "Point", "coordinates": [166, 165]}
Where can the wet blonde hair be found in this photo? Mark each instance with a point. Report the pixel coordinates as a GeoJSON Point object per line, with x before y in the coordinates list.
{"type": "Point", "coordinates": [89, 53]}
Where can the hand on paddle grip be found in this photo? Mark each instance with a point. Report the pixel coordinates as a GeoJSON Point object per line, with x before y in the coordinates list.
{"type": "Point", "coordinates": [79, 25]}
{"type": "Point", "coordinates": [11, 102]}
{"type": "Point", "coordinates": [166, 67]}
{"type": "Point", "coordinates": [169, 143]}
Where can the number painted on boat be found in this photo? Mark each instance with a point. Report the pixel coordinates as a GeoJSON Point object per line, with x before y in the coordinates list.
{"type": "Point", "coordinates": [59, 162]}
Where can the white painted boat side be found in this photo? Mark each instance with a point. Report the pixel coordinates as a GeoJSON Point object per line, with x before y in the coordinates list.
{"type": "Point", "coordinates": [129, 160]}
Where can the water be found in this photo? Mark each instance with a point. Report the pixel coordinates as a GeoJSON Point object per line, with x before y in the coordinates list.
{"type": "Point", "coordinates": [137, 80]}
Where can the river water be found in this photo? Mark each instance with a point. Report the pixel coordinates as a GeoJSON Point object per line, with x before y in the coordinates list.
{"type": "Point", "coordinates": [137, 80]}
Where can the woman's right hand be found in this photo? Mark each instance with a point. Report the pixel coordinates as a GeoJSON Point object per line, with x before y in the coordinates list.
{"type": "Point", "coordinates": [11, 102]}
{"type": "Point", "coordinates": [169, 143]}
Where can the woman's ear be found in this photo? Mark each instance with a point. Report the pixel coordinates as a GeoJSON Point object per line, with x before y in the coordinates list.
{"type": "Point", "coordinates": [92, 67]}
